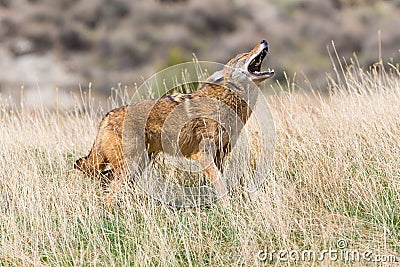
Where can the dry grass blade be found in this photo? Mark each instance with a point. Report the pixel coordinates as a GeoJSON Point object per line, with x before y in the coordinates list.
{"type": "Point", "coordinates": [335, 176]}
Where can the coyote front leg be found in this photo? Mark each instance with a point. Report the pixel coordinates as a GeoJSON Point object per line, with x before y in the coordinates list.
{"type": "Point", "coordinates": [205, 156]}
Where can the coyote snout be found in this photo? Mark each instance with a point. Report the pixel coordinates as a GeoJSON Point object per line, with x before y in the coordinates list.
{"type": "Point", "coordinates": [171, 109]}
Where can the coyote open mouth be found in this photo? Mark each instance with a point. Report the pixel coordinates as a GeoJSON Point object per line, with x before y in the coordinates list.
{"type": "Point", "coordinates": [254, 65]}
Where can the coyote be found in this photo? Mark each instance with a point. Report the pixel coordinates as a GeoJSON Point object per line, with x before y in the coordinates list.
{"type": "Point", "coordinates": [108, 145]}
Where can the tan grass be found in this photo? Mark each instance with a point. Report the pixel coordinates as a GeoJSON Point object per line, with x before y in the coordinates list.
{"type": "Point", "coordinates": [335, 176]}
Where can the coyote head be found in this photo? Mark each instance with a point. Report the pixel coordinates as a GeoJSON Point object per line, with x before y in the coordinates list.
{"type": "Point", "coordinates": [245, 66]}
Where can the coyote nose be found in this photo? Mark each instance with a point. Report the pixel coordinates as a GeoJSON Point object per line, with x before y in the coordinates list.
{"type": "Point", "coordinates": [263, 42]}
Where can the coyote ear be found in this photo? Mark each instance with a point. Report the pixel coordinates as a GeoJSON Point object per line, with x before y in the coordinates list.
{"type": "Point", "coordinates": [216, 78]}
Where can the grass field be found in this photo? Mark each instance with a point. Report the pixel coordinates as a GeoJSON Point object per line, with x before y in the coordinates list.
{"type": "Point", "coordinates": [335, 181]}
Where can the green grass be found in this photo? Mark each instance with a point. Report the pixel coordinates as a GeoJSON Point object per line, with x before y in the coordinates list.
{"type": "Point", "coordinates": [335, 175]}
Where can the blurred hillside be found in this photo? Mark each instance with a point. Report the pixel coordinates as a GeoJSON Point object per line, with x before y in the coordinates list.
{"type": "Point", "coordinates": [66, 43]}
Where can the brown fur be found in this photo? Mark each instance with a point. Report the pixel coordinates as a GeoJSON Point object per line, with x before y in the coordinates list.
{"type": "Point", "coordinates": [107, 148]}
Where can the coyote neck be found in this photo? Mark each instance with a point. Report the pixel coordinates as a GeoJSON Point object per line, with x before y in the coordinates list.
{"type": "Point", "coordinates": [229, 97]}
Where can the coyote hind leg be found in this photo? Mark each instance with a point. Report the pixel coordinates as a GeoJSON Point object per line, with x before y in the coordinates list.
{"type": "Point", "coordinates": [123, 174]}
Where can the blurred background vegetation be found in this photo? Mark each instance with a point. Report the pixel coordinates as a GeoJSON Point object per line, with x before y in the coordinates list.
{"type": "Point", "coordinates": [66, 44]}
